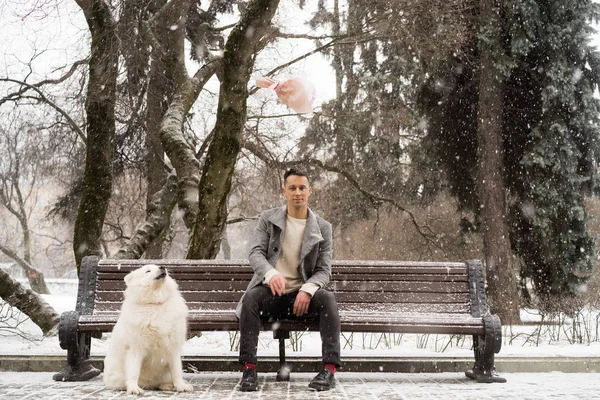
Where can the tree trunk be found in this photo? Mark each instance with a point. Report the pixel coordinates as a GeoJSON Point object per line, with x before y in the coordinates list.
{"type": "Point", "coordinates": [158, 217]}
{"type": "Point", "coordinates": [217, 173]}
{"type": "Point", "coordinates": [175, 145]}
{"type": "Point", "coordinates": [160, 94]}
{"type": "Point", "coordinates": [29, 303]}
{"type": "Point", "coordinates": [503, 294]}
{"type": "Point", "coordinates": [100, 111]}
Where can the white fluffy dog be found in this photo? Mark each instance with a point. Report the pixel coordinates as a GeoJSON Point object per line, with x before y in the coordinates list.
{"type": "Point", "coordinates": [147, 340]}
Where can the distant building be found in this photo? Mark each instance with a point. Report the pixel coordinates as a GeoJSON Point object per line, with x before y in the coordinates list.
{"type": "Point", "coordinates": [13, 270]}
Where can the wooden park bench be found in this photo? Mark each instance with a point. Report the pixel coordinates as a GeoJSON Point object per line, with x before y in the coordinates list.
{"type": "Point", "coordinates": [373, 296]}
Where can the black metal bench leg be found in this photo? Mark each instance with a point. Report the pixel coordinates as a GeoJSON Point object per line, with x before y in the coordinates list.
{"type": "Point", "coordinates": [79, 367]}
{"type": "Point", "coordinates": [484, 347]}
{"type": "Point", "coordinates": [284, 370]}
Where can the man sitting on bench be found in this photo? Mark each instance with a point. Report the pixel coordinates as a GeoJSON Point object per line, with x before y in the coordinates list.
{"type": "Point", "coordinates": [291, 259]}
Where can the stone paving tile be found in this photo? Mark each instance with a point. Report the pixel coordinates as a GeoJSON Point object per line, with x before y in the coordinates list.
{"type": "Point", "coordinates": [355, 386]}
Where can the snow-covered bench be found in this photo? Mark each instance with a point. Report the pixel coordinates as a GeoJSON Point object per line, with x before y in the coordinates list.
{"type": "Point", "coordinates": [373, 296]}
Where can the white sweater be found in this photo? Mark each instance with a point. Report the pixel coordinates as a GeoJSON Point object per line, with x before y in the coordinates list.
{"type": "Point", "coordinates": [289, 260]}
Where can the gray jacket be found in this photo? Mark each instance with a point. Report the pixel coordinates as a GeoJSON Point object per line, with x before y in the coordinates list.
{"type": "Point", "coordinates": [315, 253]}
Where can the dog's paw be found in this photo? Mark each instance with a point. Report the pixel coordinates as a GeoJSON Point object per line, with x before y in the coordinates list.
{"type": "Point", "coordinates": [134, 389]}
{"type": "Point", "coordinates": [184, 387]}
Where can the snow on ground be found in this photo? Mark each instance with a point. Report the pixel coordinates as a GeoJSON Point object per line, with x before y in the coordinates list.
{"type": "Point", "coordinates": [518, 341]}
{"type": "Point", "coordinates": [349, 385]}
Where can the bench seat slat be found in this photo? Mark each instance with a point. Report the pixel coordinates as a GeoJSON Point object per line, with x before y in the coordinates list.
{"type": "Point", "coordinates": [350, 321]}
{"type": "Point", "coordinates": [347, 317]}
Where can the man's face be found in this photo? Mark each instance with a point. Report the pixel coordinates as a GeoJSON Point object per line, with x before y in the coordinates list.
{"type": "Point", "coordinates": [297, 191]}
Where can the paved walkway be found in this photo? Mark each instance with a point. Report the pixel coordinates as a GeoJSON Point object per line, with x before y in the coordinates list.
{"type": "Point", "coordinates": [223, 385]}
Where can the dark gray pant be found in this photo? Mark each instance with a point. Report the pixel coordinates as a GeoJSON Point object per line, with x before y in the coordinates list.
{"type": "Point", "coordinates": [259, 304]}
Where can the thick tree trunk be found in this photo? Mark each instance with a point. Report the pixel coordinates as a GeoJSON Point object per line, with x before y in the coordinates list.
{"type": "Point", "coordinates": [100, 111]}
{"type": "Point", "coordinates": [155, 169]}
{"type": "Point", "coordinates": [160, 94]}
{"type": "Point", "coordinates": [222, 153]}
{"type": "Point", "coordinates": [29, 303]}
{"type": "Point", "coordinates": [502, 287]}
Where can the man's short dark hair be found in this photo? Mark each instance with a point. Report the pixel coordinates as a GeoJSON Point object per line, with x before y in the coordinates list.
{"type": "Point", "coordinates": [294, 171]}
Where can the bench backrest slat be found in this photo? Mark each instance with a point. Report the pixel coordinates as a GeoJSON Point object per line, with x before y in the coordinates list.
{"type": "Point", "coordinates": [337, 286]}
{"type": "Point", "coordinates": [341, 297]}
{"type": "Point", "coordinates": [448, 308]}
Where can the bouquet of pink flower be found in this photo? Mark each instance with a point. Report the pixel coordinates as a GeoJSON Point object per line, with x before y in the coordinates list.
{"type": "Point", "coordinates": [296, 93]}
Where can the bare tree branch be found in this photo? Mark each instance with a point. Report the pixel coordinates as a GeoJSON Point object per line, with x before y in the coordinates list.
{"type": "Point", "coordinates": [35, 277]}
{"type": "Point", "coordinates": [61, 79]}
{"type": "Point", "coordinates": [423, 230]}
{"type": "Point", "coordinates": [240, 219]}
{"type": "Point", "coordinates": [52, 104]}
{"type": "Point", "coordinates": [20, 261]}
{"type": "Point", "coordinates": [335, 41]}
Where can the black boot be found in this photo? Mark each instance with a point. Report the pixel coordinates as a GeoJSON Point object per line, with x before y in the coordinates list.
{"type": "Point", "coordinates": [249, 382]}
{"type": "Point", "coordinates": [478, 374]}
{"type": "Point", "coordinates": [323, 381]}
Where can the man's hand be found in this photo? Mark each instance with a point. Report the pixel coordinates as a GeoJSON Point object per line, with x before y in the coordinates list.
{"type": "Point", "coordinates": [277, 285]}
{"type": "Point", "coordinates": [301, 303]}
